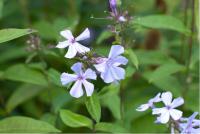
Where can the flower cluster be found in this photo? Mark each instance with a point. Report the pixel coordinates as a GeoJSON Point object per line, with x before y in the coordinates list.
{"type": "Point", "coordinates": [108, 67]}
{"type": "Point", "coordinates": [169, 113]}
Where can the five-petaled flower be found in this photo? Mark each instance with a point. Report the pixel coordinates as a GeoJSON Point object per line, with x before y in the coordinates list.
{"type": "Point", "coordinates": [80, 79]}
{"type": "Point", "coordinates": [109, 67]}
{"type": "Point", "coordinates": [73, 44]}
{"type": "Point", "coordinates": [190, 125]}
{"type": "Point", "coordinates": [150, 103]}
{"type": "Point", "coordinates": [169, 110]}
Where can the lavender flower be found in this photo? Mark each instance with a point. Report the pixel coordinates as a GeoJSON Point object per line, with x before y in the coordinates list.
{"type": "Point", "coordinates": [169, 110]}
{"type": "Point", "coordinates": [150, 103]}
{"type": "Point", "coordinates": [192, 126]}
{"type": "Point", "coordinates": [73, 44]}
{"type": "Point", "coordinates": [80, 78]}
{"type": "Point", "coordinates": [113, 6]}
{"type": "Point", "coordinates": [109, 67]}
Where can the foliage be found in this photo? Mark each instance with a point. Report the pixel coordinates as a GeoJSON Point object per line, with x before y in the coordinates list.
{"type": "Point", "coordinates": [160, 45]}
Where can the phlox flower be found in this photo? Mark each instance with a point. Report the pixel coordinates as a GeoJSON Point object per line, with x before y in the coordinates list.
{"type": "Point", "coordinates": [192, 126]}
{"type": "Point", "coordinates": [113, 6]}
{"type": "Point", "coordinates": [109, 67]}
{"type": "Point", "coordinates": [150, 103]}
{"type": "Point", "coordinates": [73, 43]}
{"type": "Point", "coordinates": [80, 78]}
{"type": "Point", "coordinates": [169, 109]}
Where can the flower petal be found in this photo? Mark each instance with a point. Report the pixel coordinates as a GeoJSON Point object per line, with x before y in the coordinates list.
{"type": "Point", "coordinates": [166, 98]}
{"type": "Point", "coordinates": [176, 114]}
{"type": "Point", "coordinates": [120, 60]}
{"type": "Point", "coordinates": [77, 68]}
{"type": "Point", "coordinates": [67, 34]}
{"type": "Point", "coordinates": [67, 78]}
{"type": "Point", "coordinates": [84, 35]}
{"type": "Point", "coordinates": [89, 74]}
{"type": "Point", "coordinates": [115, 51]}
{"type": "Point", "coordinates": [77, 90]}
{"type": "Point", "coordinates": [80, 48]}
{"type": "Point", "coordinates": [100, 67]}
{"type": "Point", "coordinates": [158, 110]}
{"type": "Point", "coordinates": [164, 117]}
{"type": "Point", "coordinates": [107, 76]}
{"type": "Point", "coordinates": [177, 102]}
{"type": "Point", "coordinates": [143, 107]}
{"type": "Point", "coordinates": [117, 72]}
{"type": "Point", "coordinates": [63, 44]}
{"type": "Point", "coordinates": [157, 98]}
{"type": "Point", "coordinates": [89, 87]}
{"type": "Point", "coordinates": [71, 53]}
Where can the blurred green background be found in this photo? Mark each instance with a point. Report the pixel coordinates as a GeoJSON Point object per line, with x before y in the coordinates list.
{"type": "Point", "coordinates": [30, 75]}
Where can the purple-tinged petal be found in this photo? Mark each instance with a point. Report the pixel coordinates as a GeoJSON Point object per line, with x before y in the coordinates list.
{"type": "Point", "coordinates": [166, 98]}
{"type": "Point", "coordinates": [107, 76]}
{"type": "Point", "coordinates": [116, 50]}
{"type": "Point", "coordinates": [89, 74]}
{"type": "Point", "coordinates": [67, 78]}
{"type": "Point", "coordinates": [67, 34]}
{"type": "Point", "coordinates": [177, 102]}
{"type": "Point", "coordinates": [100, 67]}
{"type": "Point", "coordinates": [77, 90]}
{"type": "Point", "coordinates": [143, 107]}
{"type": "Point", "coordinates": [157, 98]}
{"type": "Point", "coordinates": [80, 48]}
{"type": "Point", "coordinates": [71, 53]}
{"type": "Point", "coordinates": [117, 72]}
{"type": "Point", "coordinates": [120, 60]}
{"type": "Point", "coordinates": [63, 44]}
{"type": "Point", "coordinates": [84, 35]}
{"type": "Point", "coordinates": [113, 6]}
{"type": "Point", "coordinates": [89, 87]}
{"type": "Point", "coordinates": [77, 68]}
{"type": "Point", "coordinates": [176, 114]}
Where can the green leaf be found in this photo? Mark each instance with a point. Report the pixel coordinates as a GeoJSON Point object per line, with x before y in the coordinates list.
{"type": "Point", "coordinates": [104, 35]}
{"type": "Point", "coordinates": [162, 22]}
{"type": "Point", "coordinates": [12, 33]}
{"type": "Point", "coordinates": [54, 77]}
{"type": "Point", "coordinates": [133, 58]}
{"type": "Point", "coordinates": [166, 70]}
{"type": "Point", "coordinates": [1, 7]}
{"type": "Point", "coordinates": [19, 124]}
{"type": "Point", "coordinates": [113, 104]}
{"type": "Point", "coordinates": [93, 106]}
{"type": "Point", "coordinates": [153, 57]}
{"type": "Point", "coordinates": [28, 91]}
{"type": "Point", "coordinates": [25, 74]}
{"type": "Point", "coordinates": [108, 127]}
{"type": "Point", "coordinates": [75, 120]}
{"type": "Point", "coordinates": [167, 83]}
{"type": "Point", "coordinates": [46, 30]}
{"type": "Point", "coordinates": [12, 53]}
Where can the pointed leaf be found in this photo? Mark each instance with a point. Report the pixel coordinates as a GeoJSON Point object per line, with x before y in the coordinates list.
{"type": "Point", "coordinates": [28, 91]}
{"type": "Point", "coordinates": [162, 22]}
{"type": "Point", "coordinates": [25, 74]}
{"type": "Point", "coordinates": [20, 124]}
{"type": "Point", "coordinates": [93, 106]}
{"type": "Point", "coordinates": [12, 33]}
{"type": "Point", "coordinates": [75, 120]}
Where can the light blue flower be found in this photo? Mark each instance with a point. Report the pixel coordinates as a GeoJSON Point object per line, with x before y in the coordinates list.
{"type": "Point", "coordinates": [150, 103]}
{"type": "Point", "coordinates": [80, 79]}
{"type": "Point", "coordinates": [109, 67]}
{"type": "Point", "coordinates": [192, 126]}
{"type": "Point", "coordinates": [169, 109]}
{"type": "Point", "coordinates": [73, 44]}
